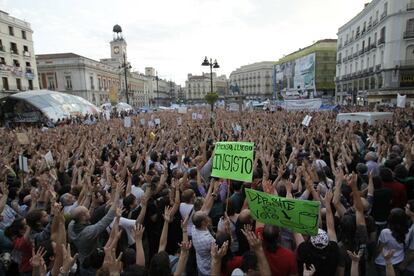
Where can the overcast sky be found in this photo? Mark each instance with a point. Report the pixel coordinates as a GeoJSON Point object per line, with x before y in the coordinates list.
{"type": "Point", "coordinates": [173, 36]}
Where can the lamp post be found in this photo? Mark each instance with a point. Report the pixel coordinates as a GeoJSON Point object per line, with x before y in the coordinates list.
{"type": "Point", "coordinates": [125, 66]}
{"type": "Point", "coordinates": [212, 98]}
{"type": "Point", "coordinates": [156, 79]}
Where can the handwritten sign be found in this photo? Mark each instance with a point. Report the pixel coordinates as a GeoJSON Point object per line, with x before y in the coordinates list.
{"type": "Point", "coordinates": [300, 216]}
{"type": "Point", "coordinates": [233, 160]}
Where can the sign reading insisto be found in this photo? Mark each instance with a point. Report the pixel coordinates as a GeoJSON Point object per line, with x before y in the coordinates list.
{"type": "Point", "coordinates": [233, 160]}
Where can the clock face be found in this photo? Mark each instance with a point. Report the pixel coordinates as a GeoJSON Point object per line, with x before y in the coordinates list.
{"type": "Point", "coordinates": [116, 50]}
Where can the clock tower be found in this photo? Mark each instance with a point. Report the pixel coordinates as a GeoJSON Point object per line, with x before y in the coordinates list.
{"type": "Point", "coordinates": [118, 45]}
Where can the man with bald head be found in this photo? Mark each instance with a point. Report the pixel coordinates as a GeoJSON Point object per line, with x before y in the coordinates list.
{"type": "Point", "coordinates": [84, 234]}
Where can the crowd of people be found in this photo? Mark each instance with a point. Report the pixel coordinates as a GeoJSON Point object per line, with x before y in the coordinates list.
{"type": "Point", "coordinates": [141, 200]}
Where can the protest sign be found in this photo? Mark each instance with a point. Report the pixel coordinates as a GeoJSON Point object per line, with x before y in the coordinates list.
{"type": "Point", "coordinates": [179, 121]}
{"type": "Point", "coordinates": [306, 120]}
{"type": "Point", "coordinates": [22, 138]}
{"type": "Point", "coordinates": [182, 110]}
{"type": "Point", "coordinates": [23, 164]}
{"type": "Point", "coordinates": [107, 115]}
{"type": "Point", "coordinates": [49, 158]}
{"type": "Point", "coordinates": [127, 122]}
{"type": "Point", "coordinates": [233, 160]}
{"type": "Point", "coordinates": [151, 124]}
{"type": "Point", "coordinates": [200, 116]}
{"type": "Point", "coordinates": [401, 100]}
{"type": "Point", "coordinates": [300, 216]}
{"type": "Point", "coordinates": [157, 121]}
{"type": "Point", "coordinates": [142, 122]}
{"type": "Point", "coordinates": [194, 116]}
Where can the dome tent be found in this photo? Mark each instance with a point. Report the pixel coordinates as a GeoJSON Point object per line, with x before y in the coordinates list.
{"type": "Point", "coordinates": [38, 105]}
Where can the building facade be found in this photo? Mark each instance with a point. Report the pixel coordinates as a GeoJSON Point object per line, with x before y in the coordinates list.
{"type": "Point", "coordinates": [254, 81]}
{"type": "Point", "coordinates": [307, 73]}
{"type": "Point", "coordinates": [97, 81]}
{"type": "Point", "coordinates": [375, 59]}
{"type": "Point", "coordinates": [197, 86]}
{"type": "Point", "coordinates": [17, 59]}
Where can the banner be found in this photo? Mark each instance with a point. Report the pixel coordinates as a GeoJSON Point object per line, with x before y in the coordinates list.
{"type": "Point", "coordinates": [310, 104]}
{"type": "Point", "coordinates": [22, 138]}
{"type": "Point", "coordinates": [182, 110]}
{"type": "Point", "coordinates": [300, 216]}
{"type": "Point", "coordinates": [113, 95]}
{"type": "Point", "coordinates": [233, 160]}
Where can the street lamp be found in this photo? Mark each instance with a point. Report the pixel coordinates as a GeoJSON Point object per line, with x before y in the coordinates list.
{"type": "Point", "coordinates": [211, 98]}
{"type": "Point", "coordinates": [125, 66]}
{"type": "Point", "coordinates": [156, 79]}
{"type": "Point", "coordinates": [212, 65]}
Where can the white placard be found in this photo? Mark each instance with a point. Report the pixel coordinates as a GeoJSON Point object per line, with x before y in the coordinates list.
{"type": "Point", "coordinates": [401, 100]}
{"type": "Point", "coordinates": [49, 158]}
{"type": "Point", "coordinates": [142, 122]}
{"type": "Point", "coordinates": [127, 122]}
{"type": "Point", "coordinates": [182, 110]}
{"type": "Point", "coordinates": [179, 121]}
{"type": "Point", "coordinates": [306, 120]}
{"type": "Point", "coordinates": [194, 116]}
{"type": "Point", "coordinates": [107, 115]}
{"type": "Point", "coordinates": [157, 121]}
{"type": "Point", "coordinates": [23, 163]}
{"type": "Point", "coordinates": [200, 116]}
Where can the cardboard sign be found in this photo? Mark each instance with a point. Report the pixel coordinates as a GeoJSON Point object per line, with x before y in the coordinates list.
{"type": "Point", "coordinates": [179, 121]}
{"type": "Point", "coordinates": [22, 138]}
{"type": "Point", "coordinates": [157, 121]}
{"type": "Point", "coordinates": [23, 164]}
{"type": "Point", "coordinates": [233, 160]}
{"type": "Point", "coordinates": [300, 216]}
{"type": "Point", "coordinates": [182, 110]}
{"type": "Point", "coordinates": [127, 122]}
{"type": "Point", "coordinates": [49, 158]}
{"type": "Point", "coordinates": [142, 122]}
{"type": "Point", "coordinates": [306, 120]}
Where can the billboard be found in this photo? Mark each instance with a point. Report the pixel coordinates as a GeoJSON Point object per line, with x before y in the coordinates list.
{"type": "Point", "coordinates": [305, 72]}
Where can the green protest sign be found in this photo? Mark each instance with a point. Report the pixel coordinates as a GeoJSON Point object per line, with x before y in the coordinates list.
{"type": "Point", "coordinates": [233, 160]}
{"type": "Point", "coordinates": [300, 216]}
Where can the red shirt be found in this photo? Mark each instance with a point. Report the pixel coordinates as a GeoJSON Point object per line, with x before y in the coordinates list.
{"type": "Point", "coordinates": [231, 265]}
{"type": "Point", "coordinates": [282, 262]}
{"type": "Point", "coordinates": [25, 249]}
{"type": "Point", "coordinates": [399, 195]}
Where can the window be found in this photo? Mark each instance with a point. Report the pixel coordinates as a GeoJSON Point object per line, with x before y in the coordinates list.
{"type": "Point", "coordinates": [13, 48]}
{"type": "Point", "coordinates": [68, 80]}
{"type": "Point", "coordinates": [25, 48]}
{"type": "Point", "coordinates": [30, 84]}
{"type": "Point", "coordinates": [19, 84]}
{"type": "Point", "coordinates": [385, 9]}
{"type": "Point", "coordinates": [1, 46]}
{"type": "Point", "coordinates": [51, 83]}
{"type": "Point", "coordinates": [11, 30]}
{"type": "Point", "coordinates": [2, 61]}
{"type": "Point", "coordinates": [24, 34]}
{"type": "Point", "coordinates": [92, 84]}
{"type": "Point", "coordinates": [5, 83]}
{"type": "Point", "coordinates": [16, 63]}
{"type": "Point", "coordinates": [410, 26]}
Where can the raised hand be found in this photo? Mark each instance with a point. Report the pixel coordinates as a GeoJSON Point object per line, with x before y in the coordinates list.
{"type": "Point", "coordinates": [310, 271]}
{"type": "Point", "coordinates": [217, 253]}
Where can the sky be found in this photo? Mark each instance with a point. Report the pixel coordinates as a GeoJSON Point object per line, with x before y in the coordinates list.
{"type": "Point", "coordinates": [174, 36]}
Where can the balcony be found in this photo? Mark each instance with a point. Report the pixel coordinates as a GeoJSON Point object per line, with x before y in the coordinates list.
{"type": "Point", "coordinates": [29, 70]}
{"type": "Point", "coordinates": [363, 31]}
{"type": "Point", "coordinates": [410, 6]}
{"type": "Point", "coordinates": [27, 54]}
{"type": "Point", "coordinates": [375, 22]}
{"type": "Point", "coordinates": [381, 41]}
{"type": "Point", "coordinates": [2, 49]}
{"type": "Point", "coordinates": [378, 68]}
{"type": "Point", "coordinates": [339, 61]}
{"type": "Point", "coordinates": [409, 34]}
{"type": "Point", "coordinates": [373, 46]}
{"type": "Point", "coordinates": [357, 35]}
{"type": "Point", "coordinates": [344, 59]}
{"type": "Point", "coordinates": [405, 63]}
{"type": "Point", "coordinates": [355, 55]}
{"type": "Point", "coordinates": [383, 15]}
{"type": "Point", "coordinates": [14, 51]}
{"type": "Point", "coordinates": [369, 26]}
{"type": "Point", "coordinates": [371, 70]}
{"type": "Point", "coordinates": [361, 52]}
